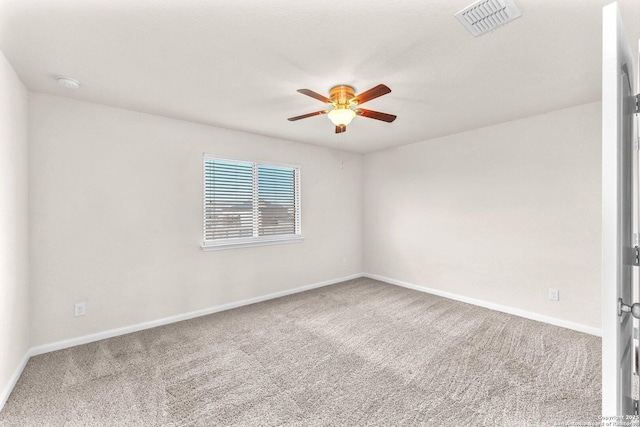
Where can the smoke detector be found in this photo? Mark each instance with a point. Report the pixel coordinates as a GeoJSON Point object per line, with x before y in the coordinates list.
{"type": "Point", "coordinates": [68, 82]}
{"type": "Point", "coordinates": [486, 15]}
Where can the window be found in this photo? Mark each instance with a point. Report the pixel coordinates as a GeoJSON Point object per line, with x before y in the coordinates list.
{"type": "Point", "coordinates": [250, 203]}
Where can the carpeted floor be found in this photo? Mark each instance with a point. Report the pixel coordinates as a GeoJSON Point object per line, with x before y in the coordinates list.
{"type": "Point", "coordinates": [357, 353]}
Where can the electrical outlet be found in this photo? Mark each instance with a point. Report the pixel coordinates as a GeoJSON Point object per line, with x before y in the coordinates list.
{"type": "Point", "coordinates": [554, 294]}
{"type": "Point", "coordinates": [344, 261]}
{"type": "Point", "coordinates": [80, 309]}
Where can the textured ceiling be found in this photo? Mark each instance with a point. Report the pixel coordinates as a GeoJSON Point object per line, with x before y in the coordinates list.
{"type": "Point", "coordinates": [237, 64]}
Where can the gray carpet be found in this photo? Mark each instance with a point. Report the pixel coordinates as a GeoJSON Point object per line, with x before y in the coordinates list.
{"type": "Point", "coordinates": [357, 353]}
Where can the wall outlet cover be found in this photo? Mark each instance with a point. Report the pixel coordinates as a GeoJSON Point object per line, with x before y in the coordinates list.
{"type": "Point", "coordinates": [80, 309]}
{"type": "Point", "coordinates": [554, 294]}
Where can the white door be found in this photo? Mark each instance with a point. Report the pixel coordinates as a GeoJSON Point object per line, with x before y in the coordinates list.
{"type": "Point", "coordinates": [618, 108]}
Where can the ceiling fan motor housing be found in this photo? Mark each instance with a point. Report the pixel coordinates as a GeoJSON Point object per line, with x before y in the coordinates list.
{"type": "Point", "coordinates": [341, 95]}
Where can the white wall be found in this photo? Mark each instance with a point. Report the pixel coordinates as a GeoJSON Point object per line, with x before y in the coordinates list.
{"type": "Point", "coordinates": [116, 217]}
{"type": "Point", "coordinates": [14, 256]}
{"type": "Point", "coordinates": [499, 214]}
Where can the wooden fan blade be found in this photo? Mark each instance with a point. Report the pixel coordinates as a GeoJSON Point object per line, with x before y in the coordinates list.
{"type": "Point", "coordinates": [304, 116]}
{"type": "Point", "coordinates": [341, 128]}
{"type": "Point", "coordinates": [371, 94]}
{"type": "Point", "coordinates": [376, 115]}
{"type": "Point", "coordinates": [315, 95]}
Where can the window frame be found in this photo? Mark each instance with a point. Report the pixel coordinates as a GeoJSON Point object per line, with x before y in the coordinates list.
{"type": "Point", "coordinates": [243, 242]}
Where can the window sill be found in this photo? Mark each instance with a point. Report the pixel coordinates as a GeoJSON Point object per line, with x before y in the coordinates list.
{"type": "Point", "coordinates": [246, 243]}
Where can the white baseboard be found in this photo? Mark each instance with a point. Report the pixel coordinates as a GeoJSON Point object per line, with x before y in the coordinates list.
{"type": "Point", "coordinates": [14, 379]}
{"type": "Point", "coordinates": [59, 345]}
{"type": "Point", "coordinates": [503, 308]}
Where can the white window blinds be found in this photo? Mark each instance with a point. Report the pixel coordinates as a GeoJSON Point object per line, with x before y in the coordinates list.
{"type": "Point", "coordinates": [248, 203]}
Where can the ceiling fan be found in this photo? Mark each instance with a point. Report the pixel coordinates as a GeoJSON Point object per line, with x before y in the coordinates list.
{"type": "Point", "coordinates": [342, 98]}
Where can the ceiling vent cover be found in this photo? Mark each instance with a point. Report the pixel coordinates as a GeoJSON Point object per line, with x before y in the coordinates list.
{"type": "Point", "coordinates": [486, 15]}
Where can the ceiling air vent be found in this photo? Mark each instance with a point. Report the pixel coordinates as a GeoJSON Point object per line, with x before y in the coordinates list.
{"type": "Point", "coordinates": [486, 15]}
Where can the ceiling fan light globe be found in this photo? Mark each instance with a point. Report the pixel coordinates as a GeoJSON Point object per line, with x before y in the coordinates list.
{"type": "Point", "coordinates": [341, 117]}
